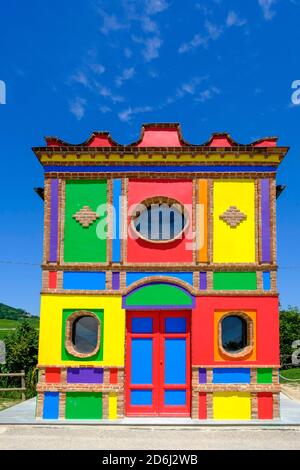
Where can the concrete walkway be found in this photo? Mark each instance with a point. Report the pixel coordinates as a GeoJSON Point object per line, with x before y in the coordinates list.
{"type": "Point", "coordinates": [24, 413]}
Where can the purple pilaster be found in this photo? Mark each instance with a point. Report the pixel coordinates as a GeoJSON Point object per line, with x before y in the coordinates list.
{"type": "Point", "coordinates": [53, 221]}
{"type": "Point", "coordinates": [116, 281]}
{"type": "Point", "coordinates": [85, 375]}
{"type": "Point", "coordinates": [202, 376]}
{"type": "Point", "coordinates": [265, 221]}
{"type": "Point", "coordinates": [202, 281]}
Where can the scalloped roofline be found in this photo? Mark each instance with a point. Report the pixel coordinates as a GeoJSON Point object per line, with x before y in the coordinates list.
{"type": "Point", "coordinates": [155, 134]}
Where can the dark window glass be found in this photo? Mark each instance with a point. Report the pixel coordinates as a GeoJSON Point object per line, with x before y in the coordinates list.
{"type": "Point", "coordinates": [234, 333]}
{"type": "Point", "coordinates": [85, 334]}
{"type": "Point", "coordinates": [160, 221]}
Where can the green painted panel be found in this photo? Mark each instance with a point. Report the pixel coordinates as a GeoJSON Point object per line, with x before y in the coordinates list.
{"type": "Point", "coordinates": [82, 244]}
{"type": "Point", "coordinates": [83, 405]}
{"type": "Point", "coordinates": [234, 281]}
{"type": "Point", "coordinates": [159, 294]}
{"type": "Point", "coordinates": [64, 353]}
{"type": "Point", "coordinates": [264, 376]}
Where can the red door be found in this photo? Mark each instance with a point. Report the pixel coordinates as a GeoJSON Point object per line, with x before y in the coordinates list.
{"type": "Point", "coordinates": [158, 363]}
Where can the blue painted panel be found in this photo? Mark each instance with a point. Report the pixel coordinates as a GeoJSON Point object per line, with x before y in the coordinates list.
{"type": "Point", "coordinates": [116, 241]}
{"type": "Point", "coordinates": [231, 376]}
{"type": "Point", "coordinates": [142, 325]}
{"type": "Point", "coordinates": [141, 361]}
{"type": "Point", "coordinates": [175, 361]}
{"type": "Point", "coordinates": [175, 397]}
{"type": "Point", "coordinates": [175, 325]}
{"type": "Point", "coordinates": [141, 397]}
{"type": "Point", "coordinates": [51, 403]}
{"type": "Point", "coordinates": [84, 281]}
{"type": "Point", "coordinates": [266, 280]}
{"type": "Point", "coordinates": [135, 276]}
{"type": "Point", "coordinates": [158, 169]}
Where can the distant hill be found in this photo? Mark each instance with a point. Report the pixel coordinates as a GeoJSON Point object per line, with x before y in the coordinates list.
{"type": "Point", "coordinates": [11, 313]}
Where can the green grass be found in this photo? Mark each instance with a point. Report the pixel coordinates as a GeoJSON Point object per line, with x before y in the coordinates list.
{"type": "Point", "coordinates": [4, 323]}
{"type": "Point", "coordinates": [291, 374]}
{"type": "Point", "coordinates": [8, 327]}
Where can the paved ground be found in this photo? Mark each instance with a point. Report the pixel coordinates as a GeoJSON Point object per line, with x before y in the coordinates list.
{"type": "Point", "coordinates": [19, 430]}
{"type": "Point", "coordinates": [24, 413]}
{"type": "Point", "coordinates": [146, 438]}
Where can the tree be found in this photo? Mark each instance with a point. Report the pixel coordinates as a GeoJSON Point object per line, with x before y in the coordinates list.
{"type": "Point", "coordinates": [289, 332]}
{"type": "Point", "coordinates": [22, 354]}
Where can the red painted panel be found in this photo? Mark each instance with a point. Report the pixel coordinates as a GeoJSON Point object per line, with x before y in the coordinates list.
{"type": "Point", "coordinates": [265, 406]}
{"type": "Point", "coordinates": [52, 279]}
{"type": "Point", "coordinates": [202, 406]}
{"type": "Point", "coordinates": [113, 376]}
{"type": "Point", "coordinates": [266, 143]}
{"type": "Point", "coordinates": [222, 141]}
{"type": "Point", "coordinates": [154, 137]}
{"type": "Point", "coordinates": [100, 141]}
{"type": "Point", "coordinates": [267, 328]}
{"type": "Point", "coordinates": [52, 375]}
{"type": "Point", "coordinates": [176, 252]}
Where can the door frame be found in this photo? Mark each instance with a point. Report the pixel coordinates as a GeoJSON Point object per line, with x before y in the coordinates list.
{"type": "Point", "coordinates": [158, 371]}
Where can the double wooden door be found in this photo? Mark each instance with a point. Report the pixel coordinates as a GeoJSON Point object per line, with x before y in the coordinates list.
{"type": "Point", "coordinates": [158, 363]}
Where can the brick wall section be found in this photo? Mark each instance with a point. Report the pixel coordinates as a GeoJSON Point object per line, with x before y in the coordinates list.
{"type": "Point", "coordinates": [39, 405]}
{"type": "Point", "coordinates": [62, 405]}
{"type": "Point", "coordinates": [105, 406]}
{"type": "Point", "coordinates": [254, 405]}
{"type": "Point", "coordinates": [276, 406]}
{"type": "Point", "coordinates": [210, 407]}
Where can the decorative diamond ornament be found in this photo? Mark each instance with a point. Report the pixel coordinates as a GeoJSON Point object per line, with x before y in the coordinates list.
{"type": "Point", "coordinates": [85, 216]}
{"type": "Point", "coordinates": [233, 217]}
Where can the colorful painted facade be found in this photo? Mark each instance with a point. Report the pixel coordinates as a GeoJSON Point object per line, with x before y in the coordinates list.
{"type": "Point", "coordinates": [159, 292]}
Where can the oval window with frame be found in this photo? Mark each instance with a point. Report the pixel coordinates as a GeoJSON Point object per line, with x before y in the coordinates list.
{"type": "Point", "coordinates": [160, 220]}
{"type": "Point", "coordinates": [85, 334]}
{"type": "Point", "coordinates": [234, 331]}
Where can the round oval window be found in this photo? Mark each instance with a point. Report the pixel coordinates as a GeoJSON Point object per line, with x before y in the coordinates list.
{"type": "Point", "coordinates": [234, 333]}
{"type": "Point", "coordinates": [160, 219]}
{"type": "Point", "coordinates": [85, 334]}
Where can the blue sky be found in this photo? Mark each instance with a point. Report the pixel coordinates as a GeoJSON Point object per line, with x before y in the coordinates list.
{"type": "Point", "coordinates": [72, 67]}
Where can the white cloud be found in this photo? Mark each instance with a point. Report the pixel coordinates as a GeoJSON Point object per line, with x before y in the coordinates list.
{"type": "Point", "coordinates": [127, 114]}
{"type": "Point", "coordinates": [156, 6]}
{"type": "Point", "coordinates": [110, 23]}
{"type": "Point", "coordinates": [107, 93]}
{"type": "Point", "coordinates": [148, 25]}
{"type": "Point", "coordinates": [127, 52]}
{"type": "Point", "coordinates": [234, 20]}
{"type": "Point", "coordinates": [195, 42]}
{"type": "Point", "coordinates": [208, 94]}
{"type": "Point", "coordinates": [105, 109]}
{"type": "Point", "coordinates": [127, 74]}
{"type": "Point", "coordinates": [80, 77]}
{"type": "Point", "coordinates": [77, 107]}
{"type": "Point", "coordinates": [266, 6]}
{"type": "Point", "coordinates": [190, 87]}
{"type": "Point", "coordinates": [213, 31]}
{"type": "Point", "coordinates": [98, 68]}
{"type": "Point", "coordinates": [150, 48]}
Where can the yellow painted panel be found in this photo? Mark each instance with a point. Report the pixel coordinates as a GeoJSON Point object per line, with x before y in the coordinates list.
{"type": "Point", "coordinates": [218, 314]}
{"type": "Point", "coordinates": [234, 245]}
{"type": "Point", "coordinates": [231, 405]}
{"type": "Point", "coordinates": [125, 158]}
{"type": "Point", "coordinates": [51, 327]}
{"type": "Point", "coordinates": [112, 406]}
